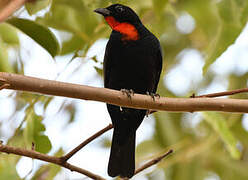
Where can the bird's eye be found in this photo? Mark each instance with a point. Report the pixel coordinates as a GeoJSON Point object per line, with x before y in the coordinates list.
{"type": "Point", "coordinates": [119, 9]}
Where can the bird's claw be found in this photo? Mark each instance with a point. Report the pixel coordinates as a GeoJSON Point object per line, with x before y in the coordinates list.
{"type": "Point", "coordinates": [128, 92]}
{"type": "Point", "coordinates": [153, 95]}
{"type": "Point", "coordinates": [148, 112]}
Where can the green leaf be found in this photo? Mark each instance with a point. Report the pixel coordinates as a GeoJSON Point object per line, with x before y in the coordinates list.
{"type": "Point", "coordinates": [218, 123]}
{"type": "Point", "coordinates": [159, 4]}
{"type": "Point", "coordinates": [35, 6]}
{"type": "Point", "coordinates": [78, 20]}
{"type": "Point", "coordinates": [8, 169]}
{"type": "Point", "coordinates": [42, 143]}
{"type": "Point", "coordinates": [244, 14]}
{"type": "Point", "coordinates": [71, 45]}
{"type": "Point", "coordinates": [9, 34]}
{"type": "Point", "coordinates": [39, 33]}
{"type": "Point", "coordinates": [34, 132]}
{"type": "Point", "coordinates": [48, 171]}
{"type": "Point", "coordinates": [167, 128]}
{"type": "Point", "coordinates": [225, 37]}
{"type": "Point", "coordinates": [4, 60]}
{"type": "Point", "coordinates": [99, 71]}
{"type": "Point", "coordinates": [226, 10]}
{"type": "Point", "coordinates": [147, 147]}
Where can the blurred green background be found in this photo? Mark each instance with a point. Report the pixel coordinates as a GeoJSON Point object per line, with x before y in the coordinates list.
{"type": "Point", "coordinates": [207, 145]}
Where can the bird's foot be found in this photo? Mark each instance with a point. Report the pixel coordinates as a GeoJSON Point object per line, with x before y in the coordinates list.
{"type": "Point", "coordinates": [148, 112]}
{"type": "Point", "coordinates": [153, 95]}
{"type": "Point", "coordinates": [128, 92]}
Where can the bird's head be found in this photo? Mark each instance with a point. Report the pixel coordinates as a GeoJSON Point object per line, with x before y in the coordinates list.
{"type": "Point", "coordinates": [122, 19]}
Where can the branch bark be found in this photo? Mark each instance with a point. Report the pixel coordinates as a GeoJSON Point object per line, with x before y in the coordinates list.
{"type": "Point", "coordinates": [226, 93]}
{"type": "Point", "coordinates": [153, 161]}
{"type": "Point", "coordinates": [56, 160]}
{"type": "Point", "coordinates": [10, 8]}
{"type": "Point", "coordinates": [62, 161]}
{"type": "Point", "coordinates": [87, 141]}
{"type": "Point", "coordinates": [138, 101]}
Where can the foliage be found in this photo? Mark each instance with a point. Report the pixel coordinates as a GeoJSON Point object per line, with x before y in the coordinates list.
{"type": "Point", "coordinates": [215, 147]}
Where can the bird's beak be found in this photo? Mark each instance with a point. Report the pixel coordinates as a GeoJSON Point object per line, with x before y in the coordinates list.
{"type": "Point", "coordinates": [103, 11]}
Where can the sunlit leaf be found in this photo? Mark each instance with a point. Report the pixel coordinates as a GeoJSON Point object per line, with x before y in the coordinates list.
{"type": "Point", "coordinates": [9, 34]}
{"type": "Point", "coordinates": [78, 19]}
{"type": "Point", "coordinates": [99, 70]}
{"type": "Point", "coordinates": [37, 5]}
{"type": "Point", "coordinates": [71, 45]}
{"type": "Point", "coordinates": [217, 121]}
{"type": "Point", "coordinates": [226, 10]}
{"type": "Point", "coordinates": [244, 15]}
{"type": "Point", "coordinates": [238, 82]}
{"type": "Point", "coordinates": [7, 168]}
{"type": "Point", "coordinates": [226, 36]}
{"type": "Point", "coordinates": [167, 132]}
{"type": "Point", "coordinates": [159, 4]}
{"type": "Point", "coordinates": [34, 132]}
{"type": "Point", "coordinates": [39, 33]}
{"type": "Point", "coordinates": [147, 147]}
{"type": "Point", "coordinates": [4, 60]}
{"type": "Point", "coordinates": [48, 171]}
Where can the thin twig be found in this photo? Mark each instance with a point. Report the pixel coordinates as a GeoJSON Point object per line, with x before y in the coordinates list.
{"type": "Point", "coordinates": [153, 161]}
{"type": "Point", "coordinates": [219, 94]}
{"type": "Point", "coordinates": [52, 159]}
{"type": "Point", "coordinates": [138, 101]}
{"type": "Point", "coordinates": [4, 86]}
{"type": "Point", "coordinates": [10, 8]}
{"type": "Point", "coordinates": [87, 141]}
{"type": "Point", "coordinates": [225, 93]}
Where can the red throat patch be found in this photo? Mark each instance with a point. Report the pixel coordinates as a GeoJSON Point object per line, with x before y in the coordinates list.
{"type": "Point", "coordinates": [129, 31]}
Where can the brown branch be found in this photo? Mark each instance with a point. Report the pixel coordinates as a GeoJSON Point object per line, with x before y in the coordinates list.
{"type": "Point", "coordinates": [153, 161]}
{"type": "Point", "coordinates": [4, 86]}
{"type": "Point", "coordinates": [51, 159]}
{"type": "Point", "coordinates": [10, 8]}
{"type": "Point", "coordinates": [87, 141]}
{"type": "Point", "coordinates": [138, 101]}
{"type": "Point", "coordinates": [225, 93]}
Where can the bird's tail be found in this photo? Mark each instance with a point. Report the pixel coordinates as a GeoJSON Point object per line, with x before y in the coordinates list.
{"type": "Point", "coordinates": [122, 155]}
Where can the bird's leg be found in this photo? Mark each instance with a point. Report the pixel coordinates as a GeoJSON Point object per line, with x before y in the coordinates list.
{"type": "Point", "coordinates": [148, 112]}
{"type": "Point", "coordinates": [128, 92]}
{"type": "Point", "coordinates": [153, 95]}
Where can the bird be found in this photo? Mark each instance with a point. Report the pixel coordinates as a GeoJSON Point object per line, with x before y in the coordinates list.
{"type": "Point", "coordinates": [132, 63]}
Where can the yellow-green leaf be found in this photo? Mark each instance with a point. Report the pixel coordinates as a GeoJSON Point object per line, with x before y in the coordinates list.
{"type": "Point", "coordinates": [218, 123]}
{"type": "Point", "coordinates": [225, 37]}
{"type": "Point", "coordinates": [48, 171]}
{"type": "Point", "coordinates": [34, 132]}
{"type": "Point", "coordinates": [4, 60]}
{"type": "Point", "coordinates": [35, 6]}
{"type": "Point", "coordinates": [9, 34]}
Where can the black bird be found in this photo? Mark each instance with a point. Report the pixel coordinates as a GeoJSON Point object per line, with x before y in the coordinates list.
{"type": "Point", "coordinates": [132, 62]}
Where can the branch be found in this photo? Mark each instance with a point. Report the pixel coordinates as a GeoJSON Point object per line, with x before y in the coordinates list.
{"type": "Point", "coordinates": [226, 93]}
{"type": "Point", "coordinates": [55, 160]}
{"type": "Point", "coordinates": [138, 101]}
{"type": "Point", "coordinates": [10, 8]}
{"type": "Point", "coordinates": [4, 86]}
{"type": "Point", "coordinates": [87, 141]}
{"type": "Point", "coordinates": [153, 161]}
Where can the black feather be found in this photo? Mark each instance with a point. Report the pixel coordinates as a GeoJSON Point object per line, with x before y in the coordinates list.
{"type": "Point", "coordinates": [135, 65]}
